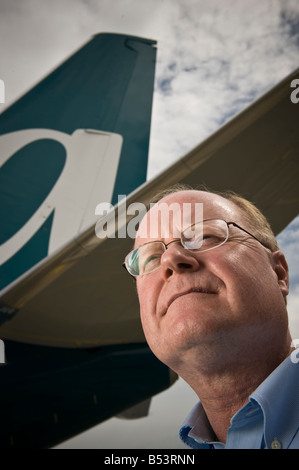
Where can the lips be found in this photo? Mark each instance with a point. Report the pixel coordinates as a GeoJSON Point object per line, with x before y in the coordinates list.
{"type": "Point", "coordinates": [200, 290]}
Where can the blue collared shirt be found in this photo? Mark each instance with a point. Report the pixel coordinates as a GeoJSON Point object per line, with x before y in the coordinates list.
{"type": "Point", "coordinates": [270, 419]}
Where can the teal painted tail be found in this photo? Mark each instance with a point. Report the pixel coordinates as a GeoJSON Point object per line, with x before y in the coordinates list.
{"type": "Point", "coordinates": [79, 137]}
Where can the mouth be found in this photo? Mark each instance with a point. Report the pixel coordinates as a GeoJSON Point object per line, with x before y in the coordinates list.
{"type": "Point", "coordinates": [198, 290]}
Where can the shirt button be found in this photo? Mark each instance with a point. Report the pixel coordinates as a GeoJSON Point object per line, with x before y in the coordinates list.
{"type": "Point", "coordinates": [275, 444]}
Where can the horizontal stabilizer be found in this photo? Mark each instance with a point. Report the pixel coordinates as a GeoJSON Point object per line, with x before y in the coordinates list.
{"type": "Point", "coordinates": [138, 411]}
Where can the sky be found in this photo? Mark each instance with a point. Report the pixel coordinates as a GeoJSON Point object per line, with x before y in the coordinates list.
{"type": "Point", "coordinates": [215, 57]}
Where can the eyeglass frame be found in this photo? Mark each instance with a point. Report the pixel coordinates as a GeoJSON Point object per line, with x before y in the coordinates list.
{"type": "Point", "coordinates": [200, 251]}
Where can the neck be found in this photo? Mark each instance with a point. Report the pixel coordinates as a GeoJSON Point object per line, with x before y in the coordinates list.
{"type": "Point", "coordinates": [224, 391]}
{"type": "Point", "coordinates": [223, 395]}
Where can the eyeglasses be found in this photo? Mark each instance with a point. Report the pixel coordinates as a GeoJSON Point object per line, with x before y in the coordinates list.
{"type": "Point", "coordinates": [199, 237]}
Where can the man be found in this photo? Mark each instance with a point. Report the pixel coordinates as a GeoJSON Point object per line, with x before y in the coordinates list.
{"type": "Point", "coordinates": [213, 308]}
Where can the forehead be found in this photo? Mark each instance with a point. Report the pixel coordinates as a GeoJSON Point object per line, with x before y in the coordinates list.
{"type": "Point", "coordinates": [177, 211]}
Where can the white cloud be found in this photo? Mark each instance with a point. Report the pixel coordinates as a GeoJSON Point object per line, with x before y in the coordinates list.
{"type": "Point", "coordinates": [288, 243]}
{"type": "Point", "coordinates": [293, 309]}
{"type": "Point", "coordinates": [217, 60]}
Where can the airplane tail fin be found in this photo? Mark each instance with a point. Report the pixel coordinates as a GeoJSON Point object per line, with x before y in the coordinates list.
{"type": "Point", "coordinates": [78, 138]}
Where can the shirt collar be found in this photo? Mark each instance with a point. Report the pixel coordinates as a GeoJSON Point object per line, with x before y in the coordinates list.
{"type": "Point", "coordinates": [196, 430]}
{"type": "Point", "coordinates": [278, 398]}
{"type": "Point", "coordinates": [197, 426]}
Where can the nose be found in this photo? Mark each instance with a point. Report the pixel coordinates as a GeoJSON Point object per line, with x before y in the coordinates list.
{"type": "Point", "coordinates": [178, 259]}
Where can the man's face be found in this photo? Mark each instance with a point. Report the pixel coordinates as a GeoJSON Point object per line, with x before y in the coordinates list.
{"type": "Point", "coordinates": [218, 302]}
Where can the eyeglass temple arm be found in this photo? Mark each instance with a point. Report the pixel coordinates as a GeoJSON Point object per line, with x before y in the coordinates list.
{"type": "Point", "coordinates": [243, 229]}
{"type": "Point", "coordinates": [124, 266]}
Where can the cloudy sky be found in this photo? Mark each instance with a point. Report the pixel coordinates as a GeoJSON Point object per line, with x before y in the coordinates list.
{"type": "Point", "coordinates": [215, 57]}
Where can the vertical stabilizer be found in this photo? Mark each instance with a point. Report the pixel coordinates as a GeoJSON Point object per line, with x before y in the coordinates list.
{"type": "Point", "coordinates": [78, 138]}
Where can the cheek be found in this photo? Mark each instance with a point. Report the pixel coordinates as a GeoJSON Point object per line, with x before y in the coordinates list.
{"type": "Point", "coordinates": [250, 280]}
{"type": "Point", "coordinates": [150, 328]}
{"type": "Point", "coordinates": [147, 295]}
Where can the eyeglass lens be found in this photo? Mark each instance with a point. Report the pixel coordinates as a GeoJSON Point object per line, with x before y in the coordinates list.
{"type": "Point", "coordinates": [203, 236]}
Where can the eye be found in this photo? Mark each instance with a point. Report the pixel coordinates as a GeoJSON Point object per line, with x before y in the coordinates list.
{"type": "Point", "coordinates": [209, 239]}
{"type": "Point", "coordinates": [149, 257]}
{"type": "Point", "coordinates": [151, 262]}
{"type": "Point", "coordinates": [133, 262]}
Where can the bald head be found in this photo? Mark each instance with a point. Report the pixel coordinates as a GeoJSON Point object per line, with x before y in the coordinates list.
{"type": "Point", "coordinates": [168, 200]}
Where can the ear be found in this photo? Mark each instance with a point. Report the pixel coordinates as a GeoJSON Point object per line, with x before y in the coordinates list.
{"type": "Point", "coordinates": [281, 269]}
